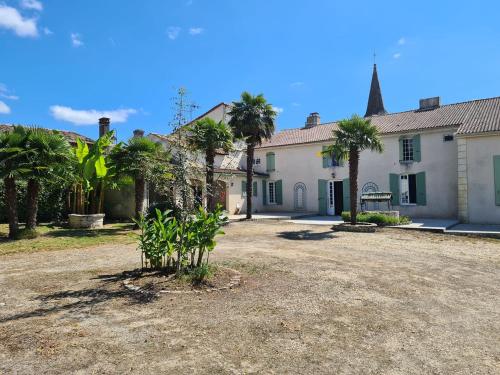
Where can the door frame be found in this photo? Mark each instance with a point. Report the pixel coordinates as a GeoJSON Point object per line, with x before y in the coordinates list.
{"type": "Point", "coordinates": [330, 197]}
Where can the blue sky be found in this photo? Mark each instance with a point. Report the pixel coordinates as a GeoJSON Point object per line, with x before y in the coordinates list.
{"type": "Point", "coordinates": [65, 62]}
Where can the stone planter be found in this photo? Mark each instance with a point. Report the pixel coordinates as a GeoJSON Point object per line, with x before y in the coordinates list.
{"type": "Point", "coordinates": [359, 227]}
{"type": "Point", "coordinates": [77, 221]}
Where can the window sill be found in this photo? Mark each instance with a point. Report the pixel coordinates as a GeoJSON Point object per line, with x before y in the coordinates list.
{"type": "Point", "coordinates": [407, 204]}
{"type": "Point", "coordinates": [406, 162]}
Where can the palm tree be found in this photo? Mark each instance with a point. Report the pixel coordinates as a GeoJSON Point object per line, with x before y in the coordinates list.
{"type": "Point", "coordinates": [208, 135]}
{"type": "Point", "coordinates": [138, 159]}
{"type": "Point", "coordinates": [12, 166]}
{"type": "Point", "coordinates": [351, 137]}
{"type": "Point", "coordinates": [48, 156]}
{"type": "Point", "coordinates": [252, 119]}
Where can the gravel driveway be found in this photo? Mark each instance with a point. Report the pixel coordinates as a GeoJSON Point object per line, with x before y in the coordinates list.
{"type": "Point", "coordinates": [311, 302]}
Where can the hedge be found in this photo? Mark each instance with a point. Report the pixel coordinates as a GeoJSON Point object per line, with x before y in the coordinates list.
{"type": "Point", "coordinates": [376, 218]}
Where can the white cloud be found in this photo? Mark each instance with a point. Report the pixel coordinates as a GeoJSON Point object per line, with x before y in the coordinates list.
{"type": "Point", "coordinates": [4, 108]}
{"type": "Point", "coordinates": [173, 32]}
{"type": "Point", "coordinates": [76, 40]}
{"type": "Point", "coordinates": [89, 116]}
{"type": "Point", "coordinates": [47, 31]}
{"type": "Point", "coordinates": [401, 41]}
{"type": "Point", "coordinates": [295, 104]}
{"type": "Point", "coordinates": [297, 84]}
{"type": "Point", "coordinates": [31, 4]}
{"type": "Point", "coordinates": [278, 110]}
{"type": "Point", "coordinates": [396, 55]}
{"type": "Point", "coordinates": [196, 30]}
{"type": "Point", "coordinates": [11, 19]}
{"type": "Point", "coordinates": [6, 93]}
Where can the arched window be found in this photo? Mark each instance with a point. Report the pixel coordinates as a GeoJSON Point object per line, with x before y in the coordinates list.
{"type": "Point", "coordinates": [299, 193]}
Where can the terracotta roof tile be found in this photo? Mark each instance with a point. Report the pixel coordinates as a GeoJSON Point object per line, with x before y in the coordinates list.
{"type": "Point", "coordinates": [472, 117]}
{"type": "Point", "coordinates": [70, 136]}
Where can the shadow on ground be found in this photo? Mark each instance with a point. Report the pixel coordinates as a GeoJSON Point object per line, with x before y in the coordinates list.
{"type": "Point", "coordinates": [306, 234]}
{"type": "Point", "coordinates": [111, 288]}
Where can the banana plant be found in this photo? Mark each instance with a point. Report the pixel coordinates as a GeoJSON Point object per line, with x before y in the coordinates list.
{"type": "Point", "coordinates": [93, 171]}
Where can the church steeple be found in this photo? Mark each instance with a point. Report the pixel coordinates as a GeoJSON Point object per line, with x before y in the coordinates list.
{"type": "Point", "coordinates": [375, 102]}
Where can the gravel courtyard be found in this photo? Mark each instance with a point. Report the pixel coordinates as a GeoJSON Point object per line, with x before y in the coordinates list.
{"type": "Point", "coordinates": [311, 302]}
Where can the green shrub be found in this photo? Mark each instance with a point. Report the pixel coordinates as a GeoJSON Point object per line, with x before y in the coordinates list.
{"type": "Point", "coordinates": [376, 218]}
{"type": "Point", "coordinates": [198, 274]}
{"type": "Point", "coordinates": [26, 234]}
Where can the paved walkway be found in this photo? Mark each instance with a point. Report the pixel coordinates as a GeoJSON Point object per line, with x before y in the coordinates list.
{"type": "Point", "coordinates": [489, 230]}
{"type": "Point", "coordinates": [272, 216]}
{"type": "Point", "coordinates": [318, 220]}
{"type": "Point", "coordinates": [437, 225]}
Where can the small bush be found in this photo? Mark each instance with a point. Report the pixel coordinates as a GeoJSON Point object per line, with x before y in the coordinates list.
{"type": "Point", "coordinates": [376, 218]}
{"type": "Point", "coordinates": [198, 274]}
{"type": "Point", "coordinates": [26, 234]}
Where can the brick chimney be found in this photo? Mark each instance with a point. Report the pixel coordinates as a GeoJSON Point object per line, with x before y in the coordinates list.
{"type": "Point", "coordinates": [138, 133]}
{"type": "Point", "coordinates": [429, 103]}
{"type": "Point", "coordinates": [312, 120]}
{"type": "Point", "coordinates": [103, 126]}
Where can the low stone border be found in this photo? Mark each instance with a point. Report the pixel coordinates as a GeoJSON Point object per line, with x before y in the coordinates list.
{"type": "Point", "coordinates": [358, 228]}
{"type": "Point", "coordinates": [233, 282]}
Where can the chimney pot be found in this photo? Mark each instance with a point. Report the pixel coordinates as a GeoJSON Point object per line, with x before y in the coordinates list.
{"type": "Point", "coordinates": [429, 103]}
{"type": "Point", "coordinates": [103, 126]}
{"type": "Point", "coordinates": [312, 120]}
{"type": "Point", "coordinates": [138, 133]}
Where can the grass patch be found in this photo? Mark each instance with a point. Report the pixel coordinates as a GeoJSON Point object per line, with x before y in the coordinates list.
{"type": "Point", "coordinates": [52, 237]}
{"type": "Point", "coordinates": [376, 218]}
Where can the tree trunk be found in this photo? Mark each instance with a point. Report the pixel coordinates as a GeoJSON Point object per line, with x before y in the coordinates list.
{"type": "Point", "coordinates": [353, 182]}
{"type": "Point", "coordinates": [209, 159]}
{"type": "Point", "coordinates": [250, 152]}
{"type": "Point", "coordinates": [140, 186]}
{"type": "Point", "coordinates": [93, 201]}
{"type": "Point", "coordinates": [100, 206]}
{"type": "Point", "coordinates": [32, 203]}
{"type": "Point", "coordinates": [11, 204]}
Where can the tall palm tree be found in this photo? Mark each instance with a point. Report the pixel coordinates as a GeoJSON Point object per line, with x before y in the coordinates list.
{"type": "Point", "coordinates": [48, 156]}
{"type": "Point", "coordinates": [138, 159]}
{"type": "Point", "coordinates": [351, 137]}
{"type": "Point", "coordinates": [252, 119]}
{"type": "Point", "coordinates": [208, 135]}
{"type": "Point", "coordinates": [12, 166]}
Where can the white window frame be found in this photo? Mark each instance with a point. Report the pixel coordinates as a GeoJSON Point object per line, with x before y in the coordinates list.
{"type": "Point", "coordinates": [256, 161]}
{"type": "Point", "coordinates": [409, 150]}
{"type": "Point", "coordinates": [269, 184]}
{"type": "Point", "coordinates": [404, 182]}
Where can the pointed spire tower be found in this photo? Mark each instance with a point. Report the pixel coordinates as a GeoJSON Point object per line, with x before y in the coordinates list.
{"type": "Point", "coordinates": [375, 102]}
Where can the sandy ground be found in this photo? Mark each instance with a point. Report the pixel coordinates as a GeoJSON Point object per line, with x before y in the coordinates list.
{"type": "Point", "coordinates": [311, 302]}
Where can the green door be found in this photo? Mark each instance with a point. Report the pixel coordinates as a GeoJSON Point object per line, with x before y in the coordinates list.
{"type": "Point", "coordinates": [346, 191]}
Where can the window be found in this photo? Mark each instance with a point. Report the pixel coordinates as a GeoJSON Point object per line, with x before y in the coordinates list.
{"type": "Point", "coordinates": [408, 189]}
{"type": "Point", "coordinates": [408, 149]}
{"type": "Point", "coordinates": [256, 161]}
{"type": "Point", "coordinates": [271, 186]}
{"type": "Point", "coordinates": [448, 138]}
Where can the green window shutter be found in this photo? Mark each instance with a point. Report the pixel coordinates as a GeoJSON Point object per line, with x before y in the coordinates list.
{"type": "Point", "coordinates": [346, 194]}
{"type": "Point", "coordinates": [264, 192]}
{"type": "Point", "coordinates": [496, 173]}
{"type": "Point", "coordinates": [421, 194]}
{"type": "Point", "coordinates": [255, 188]}
{"type": "Point", "coordinates": [417, 154]}
{"type": "Point", "coordinates": [279, 192]}
{"type": "Point", "coordinates": [325, 157]}
{"type": "Point", "coordinates": [243, 188]}
{"type": "Point", "coordinates": [394, 187]}
{"type": "Point", "coordinates": [322, 197]}
{"type": "Point", "coordinates": [400, 149]}
{"type": "Point", "coordinates": [270, 162]}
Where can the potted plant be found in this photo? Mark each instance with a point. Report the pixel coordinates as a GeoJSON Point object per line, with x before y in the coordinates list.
{"type": "Point", "coordinates": [93, 172]}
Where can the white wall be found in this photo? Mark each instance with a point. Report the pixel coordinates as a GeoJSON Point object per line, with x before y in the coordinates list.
{"type": "Point", "coordinates": [301, 163]}
{"type": "Point", "coordinates": [298, 163]}
{"type": "Point", "coordinates": [481, 184]}
{"type": "Point", "coordinates": [439, 162]}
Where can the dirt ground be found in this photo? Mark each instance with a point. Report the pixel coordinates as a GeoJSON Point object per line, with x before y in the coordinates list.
{"type": "Point", "coordinates": [311, 302]}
